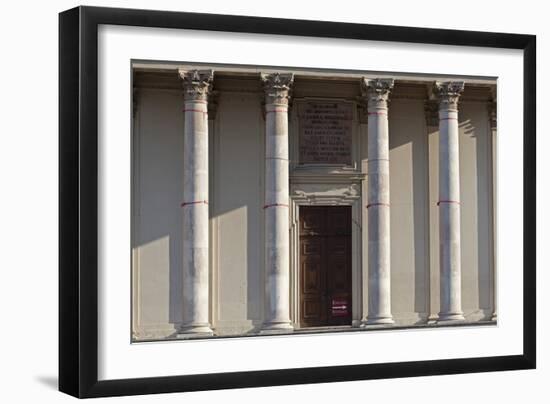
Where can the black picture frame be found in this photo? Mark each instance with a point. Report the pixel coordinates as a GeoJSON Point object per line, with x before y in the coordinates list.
{"type": "Point", "coordinates": [78, 201]}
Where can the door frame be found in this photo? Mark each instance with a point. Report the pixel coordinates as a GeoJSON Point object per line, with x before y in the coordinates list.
{"type": "Point", "coordinates": [335, 195]}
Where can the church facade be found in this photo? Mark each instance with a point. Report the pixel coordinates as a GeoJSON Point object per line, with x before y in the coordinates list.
{"type": "Point", "coordinates": [277, 200]}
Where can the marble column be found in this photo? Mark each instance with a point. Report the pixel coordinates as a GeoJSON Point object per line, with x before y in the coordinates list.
{"type": "Point", "coordinates": [493, 129]}
{"type": "Point", "coordinates": [448, 94]}
{"type": "Point", "coordinates": [377, 92]}
{"type": "Point", "coordinates": [276, 203]}
{"type": "Point", "coordinates": [197, 85]}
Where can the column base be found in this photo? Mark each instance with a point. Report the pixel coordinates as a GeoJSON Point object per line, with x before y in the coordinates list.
{"type": "Point", "coordinates": [356, 323]}
{"type": "Point", "coordinates": [377, 321]}
{"type": "Point", "coordinates": [195, 331]}
{"type": "Point", "coordinates": [432, 319]}
{"type": "Point", "coordinates": [277, 328]}
{"type": "Point", "coordinates": [450, 318]}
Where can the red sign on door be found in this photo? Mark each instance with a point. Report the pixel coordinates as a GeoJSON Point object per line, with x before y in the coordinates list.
{"type": "Point", "coordinates": [340, 307]}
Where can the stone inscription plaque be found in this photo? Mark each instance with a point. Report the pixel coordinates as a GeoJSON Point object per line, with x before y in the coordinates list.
{"type": "Point", "coordinates": [325, 132]}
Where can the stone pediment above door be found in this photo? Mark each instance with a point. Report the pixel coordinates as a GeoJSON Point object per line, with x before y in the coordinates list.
{"type": "Point", "coordinates": [326, 193]}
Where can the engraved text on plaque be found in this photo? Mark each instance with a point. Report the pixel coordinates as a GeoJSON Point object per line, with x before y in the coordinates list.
{"type": "Point", "coordinates": [325, 132]}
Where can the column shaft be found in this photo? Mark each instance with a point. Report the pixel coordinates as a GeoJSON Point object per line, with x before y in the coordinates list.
{"type": "Point", "coordinates": [276, 204]}
{"type": "Point", "coordinates": [493, 127]}
{"type": "Point", "coordinates": [449, 202]}
{"type": "Point", "coordinates": [378, 206]}
{"type": "Point", "coordinates": [194, 207]}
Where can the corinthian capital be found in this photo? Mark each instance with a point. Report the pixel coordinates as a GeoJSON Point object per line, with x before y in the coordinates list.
{"type": "Point", "coordinates": [447, 93]}
{"type": "Point", "coordinates": [196, 84]}
{"type": "Point", "coordinates": [376, 91]}
{"type": "Point", "coordinates": [277, 87]}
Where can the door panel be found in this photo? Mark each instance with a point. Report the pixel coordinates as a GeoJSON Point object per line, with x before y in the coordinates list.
{"type": "Point", "coordinates": [339, 279]}
{"type": "Point", "coordinates": [312, 220]}
{"type": "Point", "coordinates": [313, 281]}
{"type": "Point", "coordinates": [338, 220]}
{"type": "Point", "coordinates": [325, 265]}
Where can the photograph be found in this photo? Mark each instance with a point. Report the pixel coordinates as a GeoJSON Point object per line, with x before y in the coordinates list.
{"type": "Point", "coordinates": [257, 202]}
{"type": "Point", "coordinates": [250, 201]}
{"type": "Point", "coordinates": [274, 200]}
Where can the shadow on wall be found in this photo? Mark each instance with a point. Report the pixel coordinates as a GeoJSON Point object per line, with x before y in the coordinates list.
{"type": "Point", "coordinates": [410, 204]}
{"type": "Point", "coordinates": [409, 208]}
{"type": "Point", "coordinates": [157, 195]}
{"type": "Point", "coordinates": [239, 158]}
{"type": "Point", "coordinates": [234, 204]}
{"type": "Point", "coordinates": [479, 190]}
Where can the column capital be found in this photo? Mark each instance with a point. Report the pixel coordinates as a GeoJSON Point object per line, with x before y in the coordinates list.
{"type": "Point", "coordinates": [376, 91]}
{"type": "Point", "coordinates": [277, 87]}
{"type": "Point", "coordinates": [197, 84]}
{"type": "Point", "coordinates": [447, 93]}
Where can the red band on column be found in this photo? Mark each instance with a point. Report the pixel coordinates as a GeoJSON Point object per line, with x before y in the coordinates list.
{"type": "Point", "coordinates": [448, 119]}
{"type": "Point", "coordinates": [438, 202]}
{"type": "Point", "coordinates": [276, 204]}
{"type": "Point", "coordinates": [377, 204]}
{"type": "Point", "coordinates": [193, 203]}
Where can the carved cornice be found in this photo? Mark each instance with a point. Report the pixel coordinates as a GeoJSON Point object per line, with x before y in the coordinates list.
{"type": "Point", "coordinates": [376, 92]}
{"type": "Point", "coordinates": [277, 87]}
{"type": "Point", "coordinates": [448, 93]}
{"type": "Point", "coordinates": [325, 193]}
{"type": "Point", "coordinates": [197, 84]}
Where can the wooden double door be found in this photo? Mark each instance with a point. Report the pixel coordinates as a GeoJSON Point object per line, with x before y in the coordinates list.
{"type": "Point", "coordinates": [325, 266]}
